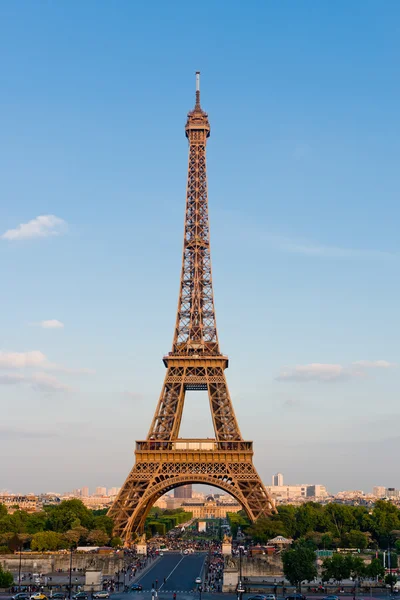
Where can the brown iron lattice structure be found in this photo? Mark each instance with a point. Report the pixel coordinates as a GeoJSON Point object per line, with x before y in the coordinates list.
{"type": "Point", "coordinates": [165, 461]}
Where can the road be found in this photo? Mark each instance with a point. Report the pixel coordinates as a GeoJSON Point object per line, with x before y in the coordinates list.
{"type": "Point", "coordinates": [179, 570]}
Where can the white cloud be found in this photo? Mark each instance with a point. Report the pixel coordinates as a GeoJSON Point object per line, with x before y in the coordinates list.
{"type": "Point", "coordinates": [38, 381]}
{"type": "Point", "coordinates": [51, 324]}
{"type": "Point", "coordinates": [20, 360]}
{"type": "Point", "coordinates": [326, 372]}
{"type": "Point", "coordinates": [312, 372]}
{"type": "Point", "coordinates": [374, 364]}
{"type": "Point", "coordinates": [36, 359]}
{"type": "Point", "coordinates": [46, 382]}
{"type": "Point", "coordinates": [11, 379]}
{"type": "Point", "coordinates": [71, 370]}
{"type": "Point", "coordinates": [42, 226]}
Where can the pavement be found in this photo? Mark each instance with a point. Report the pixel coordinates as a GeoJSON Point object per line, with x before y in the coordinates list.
{"type": "Point", "coordinates": [178, 570]}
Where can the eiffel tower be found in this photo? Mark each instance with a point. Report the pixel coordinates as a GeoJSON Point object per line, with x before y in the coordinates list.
{"type": "Point", "coordinates": [165, 461]}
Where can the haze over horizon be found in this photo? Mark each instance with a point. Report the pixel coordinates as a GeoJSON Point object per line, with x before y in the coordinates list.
{"type": "Point", "coordinates": [303, 197]}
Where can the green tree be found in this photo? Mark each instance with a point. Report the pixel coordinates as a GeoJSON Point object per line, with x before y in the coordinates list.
{"type": "Point", "coordinates": [48, 540]}
{"type": "Point", "coordinates": [299, 564]}
{"type": "Point", "coordinates": [3, 510]}
{"type": "Point", "coordinates": [287, 515]}
{"type": "Point", "coordinates": [385, 518]}
{"type": "Point", "coordinates": [326, 541]}
{"type": "Point", "coordinates": [264, 529]}
{"type": "Point", "coordinates": [36, 522]}
{"type": "Point", "coordinates": [98, 537]}
{"type": "Point", "coordinates": [356, 539]}
{"type": "Point", "coordinates": [337, 567]}
{"type": "Point", "coordinates": [340, 519]}
{"type": "Point", "coordinates": [77, 535]}
{"type": "Point", "coordinates": [357, 566]}
{"type": "Point", "coordinates": [63, 517]}
{"type": "Point", "coordinates": [104, 523]}
{"type": "Point", "coordinates": [6, 578]}
{"type": "Point", "coordinates": [6, 524]}
{"type": "Point", "coordinates": [116, 542]}
{"type": "Point", "coordinates": [390, 579]}
{"type": "Point", "coordinates": [375, 569]}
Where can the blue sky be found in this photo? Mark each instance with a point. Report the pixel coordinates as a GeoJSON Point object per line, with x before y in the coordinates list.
{"type": "Point", "coordinates": [303, 189]}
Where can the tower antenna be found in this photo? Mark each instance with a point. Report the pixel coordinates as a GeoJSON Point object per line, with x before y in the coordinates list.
{"type": "Point", "coordinates": [198, 88]}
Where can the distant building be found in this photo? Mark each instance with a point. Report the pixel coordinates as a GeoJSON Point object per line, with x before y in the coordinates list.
{"type": "Point", "coordinates": [210, 508]}
{"type": "Point", "coordinates": [85, 491]}
{"type": "Point", "coordinates": [113, 491]}
{"type": "Point", "coordinates": [392, 493]}
{"type": "Point", "coordinates": [95, 502]}
{"type": "Point", "coordinates": [101, 491]}
{"type": "Point", "coordinates": [316, 491]}
{"type": "Point", "coordinates": [14, 502]}
{"type": "Point", "coordinates": [169, 502]}
{"type": "Point", "coordinates": [286, 493]}
{"type": "Point", "coordinates": [379, 491]}
{"type": "Point", "coordinates": [277, 479]}
{"type": "Point", "coordinates": [184, 491]}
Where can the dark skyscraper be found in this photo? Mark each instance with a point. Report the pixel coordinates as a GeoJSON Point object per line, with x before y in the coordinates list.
{"type": "Point", "coordinates": [184, 491]}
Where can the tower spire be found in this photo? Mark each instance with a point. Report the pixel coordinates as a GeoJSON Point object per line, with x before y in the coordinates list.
{"type": "Point", "coordinates": [197, 89]}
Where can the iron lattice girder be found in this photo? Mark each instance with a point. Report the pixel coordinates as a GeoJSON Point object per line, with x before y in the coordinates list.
{"type": "Point", "coordinates": [195, 363]}
{"type": "Point", "coordinates": [156, 472]}
{"type": "Point", "coordinates": [194, 374]}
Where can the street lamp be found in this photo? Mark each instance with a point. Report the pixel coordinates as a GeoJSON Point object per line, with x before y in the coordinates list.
{"type": "Point", "coordinates": [19, 568]}
{"type": "Point", "coordinates": [240, 588]}
{"type": "Point", "coordinates": [70, 572]}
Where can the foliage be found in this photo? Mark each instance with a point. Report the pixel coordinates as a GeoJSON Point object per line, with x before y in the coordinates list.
{"type": "Point", "coordinates": [48, 540]}
{"type": "Point", "coordinates": [104, 523]}
{"type": "Point", "coordinates": [116, 542]}
{"type": "Point", "coordinates": [76, 536]}
{"type": "Point", "coordinates": [343, 566]}
{"type": "Point", "coordinates": [237, 520]}
{"type": "Point", "coordinates": [6, 578]}
{"type": "Point", "coordinates": [299, 564]}
{"type": "Point", "coordinates": [390, 579]}
{"type": "Point", "coordinates": [328, 527]}
{"type": "Point", "coordinates": [375, 568]}
{"type": "Point", "coordinates": [356, 539]}
{"type": "Point", "coordinates": [4, 550]}
{"type": "Point", "coordinates": [98, 537]}
{"type": "Point", "coordinates": [63, 516]}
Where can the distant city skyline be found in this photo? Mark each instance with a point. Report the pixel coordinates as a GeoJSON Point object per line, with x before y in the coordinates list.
{"type": "Point", "coordinates": [304, 213]}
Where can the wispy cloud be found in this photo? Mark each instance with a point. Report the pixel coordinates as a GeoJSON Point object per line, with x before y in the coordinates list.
{"type": "Point", "coordinates": [32, 369]}
{"type": "Point", "coordinates": [45, 382]}
{"type": "Point", "coordinates": [50, 324]}
{"type": "Point", "coordinates": [20, 360]}
{"type": "Point", "coordinates": [38, 381]}
{"type": "Point", "coordinates": [36, 359]}
{"type": "Point", "coordinates": [42, 226]}
{"type": "Point", "coordinates": [325, 372]}
{"type": "Point", "coordinates": [307, 248]}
